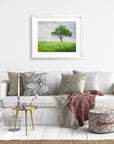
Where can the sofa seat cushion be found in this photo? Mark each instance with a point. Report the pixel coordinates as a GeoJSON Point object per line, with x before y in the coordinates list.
{"type": "Point", "coordinates": [42, 102]}
{"type": "Point", "coordinates": [106, 101]}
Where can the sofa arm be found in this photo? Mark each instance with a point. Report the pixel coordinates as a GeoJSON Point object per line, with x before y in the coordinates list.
{"type": "Point", "coordinates": [113, 88]}
{"type": "Point", "coordinates": [3, 88]}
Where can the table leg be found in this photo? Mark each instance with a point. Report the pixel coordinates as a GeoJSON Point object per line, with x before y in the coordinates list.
{"type": "Point", "coordinates": [26, 120]}
{"type": "Point", "coordinates": [16, 119]}
{"type": "Point", "coordinates": [32, 119]}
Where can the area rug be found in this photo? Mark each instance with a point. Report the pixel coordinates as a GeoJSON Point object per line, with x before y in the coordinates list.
{"type": "Point", "coordinates": [56, 141]}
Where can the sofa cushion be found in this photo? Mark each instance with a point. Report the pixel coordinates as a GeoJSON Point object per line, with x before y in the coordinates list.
{"type": "Point", "coordinates": [42, 102]}
{"type": "Point", "coordinates": [54, 82]}
{"type": "Point", "coordinates": [35, 84]}
{"type": "Point", "coordinates": [72, 83]}
{"type": "Point", "coordinates": [13, 88]}
{"type": "Point", "coordinates": [106, 80]}
{"type": "Point", "coordinates": [91, 81]}
{"type": "Point", "coordinates": [106, 101]}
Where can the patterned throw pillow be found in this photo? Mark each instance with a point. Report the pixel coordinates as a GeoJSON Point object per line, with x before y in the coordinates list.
{"type": "Point", "coordinates": [13, 87]}
{"type": "Point", "coordinates": [72, 83]}
{"type": "Point", "coordinates": [35, 84]}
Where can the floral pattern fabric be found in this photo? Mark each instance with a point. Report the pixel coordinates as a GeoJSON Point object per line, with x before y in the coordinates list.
{"type": "Point", "coordinates": [35, 84]}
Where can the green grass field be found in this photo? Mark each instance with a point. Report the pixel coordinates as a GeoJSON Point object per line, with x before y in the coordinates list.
{"type": "Point", "coordinates": [44, 46]}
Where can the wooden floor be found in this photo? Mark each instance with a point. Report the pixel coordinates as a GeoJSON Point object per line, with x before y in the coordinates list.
{"type": "Point", "coordinates": [52, 133]}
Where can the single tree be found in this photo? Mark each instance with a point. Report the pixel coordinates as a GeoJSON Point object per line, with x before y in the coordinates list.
{"type": "Point", "coordinates": [61, 32]}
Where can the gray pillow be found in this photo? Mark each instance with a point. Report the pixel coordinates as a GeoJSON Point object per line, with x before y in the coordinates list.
{"type": "Point", "coordinates": [13, 86]}
{"type": "Point", "coordinates": [72, 83]}
{"type": "Point", "coordinates": [35, 84]}
{"type": "Point", "coordinates": [92, 81]}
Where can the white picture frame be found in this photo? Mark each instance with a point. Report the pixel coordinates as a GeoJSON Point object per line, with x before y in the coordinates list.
{"type": "Point", "coordinates": [36, 21]}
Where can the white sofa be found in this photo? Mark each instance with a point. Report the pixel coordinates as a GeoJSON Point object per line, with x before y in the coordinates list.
{"type": "Point", "coordinates": [47, 113]}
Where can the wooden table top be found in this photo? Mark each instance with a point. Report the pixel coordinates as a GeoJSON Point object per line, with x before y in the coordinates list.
{"type": "Point", "coordinates": [28, 107]}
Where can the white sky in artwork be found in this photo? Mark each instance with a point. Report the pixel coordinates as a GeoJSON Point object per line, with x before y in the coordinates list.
{"type": "Point", "coordinates": [45, 29]}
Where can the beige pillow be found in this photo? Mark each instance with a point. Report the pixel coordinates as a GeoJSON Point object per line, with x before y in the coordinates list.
{"type": "Point", "coordinates": [13, 87]}
{"type": "Point", "coordinates": [91, 81]}
{"type": "Point", "coordinates": [73, 83]}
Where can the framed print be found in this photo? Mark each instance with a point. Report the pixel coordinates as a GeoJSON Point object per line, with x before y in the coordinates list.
{"type": "Point", "coordinates": [56, 37]}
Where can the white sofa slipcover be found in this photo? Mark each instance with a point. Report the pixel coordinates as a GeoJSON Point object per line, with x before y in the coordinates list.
{"type": "Point", "coordinates": [49, 102]}
{"type": "Point", "coordinates": [41, 102]}
{"type": "Point", "coordinates": [47, 112]}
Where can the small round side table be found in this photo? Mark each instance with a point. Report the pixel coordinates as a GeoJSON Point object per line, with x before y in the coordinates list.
{"type": "Point", "coordinates": [28, 108]}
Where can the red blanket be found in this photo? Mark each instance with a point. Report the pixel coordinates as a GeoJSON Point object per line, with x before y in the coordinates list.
{"type": "Point", "coordinates": [80, 104]}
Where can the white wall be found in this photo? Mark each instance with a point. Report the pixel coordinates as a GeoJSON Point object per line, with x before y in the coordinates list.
{"type": "Point", "coordinates": [15, 34]}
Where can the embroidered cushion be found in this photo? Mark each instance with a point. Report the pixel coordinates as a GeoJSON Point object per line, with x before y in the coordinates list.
{"type": "Point", "coordinates": [35, 84]}
{"type": "Point", "coordinates": [72, 83]}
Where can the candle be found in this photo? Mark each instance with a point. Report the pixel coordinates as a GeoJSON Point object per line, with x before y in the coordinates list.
{"type": "Point", "coordinates": [18, 85]}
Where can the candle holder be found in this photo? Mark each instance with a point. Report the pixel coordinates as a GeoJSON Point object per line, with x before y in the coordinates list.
{"type": "Point", "coordinates": [18, 102]}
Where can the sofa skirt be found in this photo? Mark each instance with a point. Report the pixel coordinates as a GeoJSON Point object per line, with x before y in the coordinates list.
{"type": "Point", "coordinates": [41, 116]}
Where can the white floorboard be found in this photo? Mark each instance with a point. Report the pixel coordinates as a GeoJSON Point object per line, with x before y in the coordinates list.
{"type": "Point", "coordinates": [2, 128]}
{"type": "Point", "coordinates": [52, 133]}
{"type": "Point", "coordinates": [64, 133]}
{"type": "Point", "coordinates": [38, 133]}
{"type": "Point", "coordinates": [22, 133]}
{"type": "Point", "coordinates": [79, 134]}
{"type": "Point", "coordinates": [6, 134]}
{"type": "Point", "coordinates": [108, 136]}
{"type": "Point", "coordinates": [94, 136]}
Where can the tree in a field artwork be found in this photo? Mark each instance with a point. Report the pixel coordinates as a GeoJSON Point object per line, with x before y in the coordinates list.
{"type": "Point", "coordinates": [55, 36]}
{"type": "Point", "coordinates": [61, 31]}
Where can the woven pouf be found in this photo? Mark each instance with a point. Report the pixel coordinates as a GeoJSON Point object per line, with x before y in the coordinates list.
{"type": "Point", "coordinates": [101, 120]}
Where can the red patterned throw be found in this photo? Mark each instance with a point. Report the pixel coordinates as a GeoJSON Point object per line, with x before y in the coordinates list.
{"type": "Point", "coordinates": [80, 104]}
